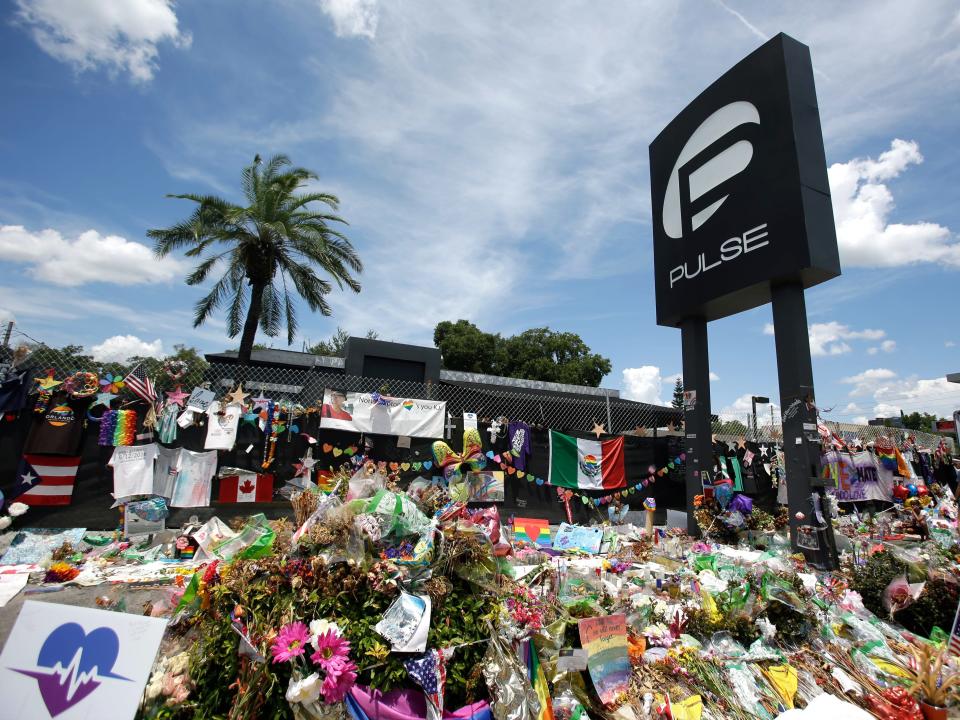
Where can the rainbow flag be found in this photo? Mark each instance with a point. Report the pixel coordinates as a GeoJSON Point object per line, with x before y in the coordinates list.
{"type": "Point", "coordinates": [539, 681]}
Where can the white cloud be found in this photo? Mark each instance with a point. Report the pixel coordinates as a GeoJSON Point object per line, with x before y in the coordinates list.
{"type": "Point", "coordinates": [862, 204]}
{"type": "Point", "coordinates": [742, 407]}
{"type": "Point", "coordinates": [831, 338]}
{"type": "Point", "coordinates": [949, 343]}
{"type": "Point", "coordinates": [851, 408]}
{"type": "Point", "coordinates": [89, 257]}
{"type": "Point", "coordinates": [643, 384]}
{"type": "Point", "coordinates": [353, 17]}
{"type": "Point", "coordinates": [892, 393]}
{"type": "Point", "coordinates": [120, 35]}
{"type": "Point", "coordinates": [714, 377]}
{"type": "Point", "coordinates": [120, 348]}
{"type": "Point", "coordinates": [672, 379]}
{"type": "Point", "coordinates": [859, 420]}
{"type": "Point", "coordinates": [887, 346]}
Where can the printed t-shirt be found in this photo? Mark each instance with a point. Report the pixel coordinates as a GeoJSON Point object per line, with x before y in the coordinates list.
{"type": "Point", "coordinates": [165, 471]}
{"type": "Point", "coordinates": [222, 426]}
{"type": "Point", "coordinates": [133, 470]}
{"type": "Point", "coordinates": [519, 435]}
{"type": "Point", "coordinates": [194, 481]}
{"type": "Point", "coordinates": [59, 429]}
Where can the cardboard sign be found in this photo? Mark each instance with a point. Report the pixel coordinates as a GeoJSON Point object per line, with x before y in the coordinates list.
{"type": "Point", "coordinates": [534, 531]}
{"type": "Point", "coordinates": [605, 640]}
{"type": "Point", "coordinates": [570, 537]}
{"type": "Point", "coordinates": [74, 663]}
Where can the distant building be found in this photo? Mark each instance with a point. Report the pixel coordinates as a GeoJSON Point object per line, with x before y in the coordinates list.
{"type": "Point", "coordinates": [896, 422]}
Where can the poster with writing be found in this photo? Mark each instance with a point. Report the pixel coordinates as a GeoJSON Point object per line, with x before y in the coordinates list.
{"type": "Point", "coordinates": [578, 537]}
{"type": "Point", "coordinates": [382, 415]}
{"type": "Point", "coordinates": [605, 640]}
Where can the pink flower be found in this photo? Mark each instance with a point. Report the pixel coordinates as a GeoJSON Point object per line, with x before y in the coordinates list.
{"type": "Point", "coordinates": [332, 651]}
{"type": "Point", "coordinates": [291, 642]}
{"type": "Point", "coordinates": [339, 680]}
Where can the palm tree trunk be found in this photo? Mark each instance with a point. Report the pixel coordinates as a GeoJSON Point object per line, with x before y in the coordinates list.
{"type": "Point", "coordinates": [250, 324]}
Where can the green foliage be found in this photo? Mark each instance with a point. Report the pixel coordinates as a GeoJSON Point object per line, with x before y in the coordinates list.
{"type": "Point", "coordinates": [677, 400]}
{"type": "Point", "coordinates": [919, 421]}
{"type": "Point", "coordinates": [535, 354]}
{"type": "Point", "coordinates": [731, 427]}
{"type": "Point", "coordinates": [269, 251]}
{"type": "Point", "coordinates": [336, 345]}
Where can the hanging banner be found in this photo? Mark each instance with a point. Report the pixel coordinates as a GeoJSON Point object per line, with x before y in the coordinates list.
{"type": "Point", "coordinates": [382, 415]}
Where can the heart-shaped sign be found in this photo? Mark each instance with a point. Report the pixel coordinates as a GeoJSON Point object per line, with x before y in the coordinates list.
{"type": "Point", "coordinates": [490, 454]}
{"type": "Point", "coordinates": [511, 470]}
{"type": "Point", "coordinates": [337, 452]}
{"type": "Point", "coordinates": [86, 657]}
{"type": "Point", "coordinates": [539, 481]}
{"type": "Point", "coordinates": [350, 451]}
{"type": "Point", "coordinates": [404, 466]}
{"type": "Point", "coordinates": [417, 466]}
{"type": "Point", "coordinates": [427, 465]}
{"type": "Point", "coordinates": [394, 466]}
{"type": "Point", "coordinates": [327, 447]}
{"type": "Point", "coordinates": [520, 474]}
{"type": "Point", "coordinates": [496, 458]}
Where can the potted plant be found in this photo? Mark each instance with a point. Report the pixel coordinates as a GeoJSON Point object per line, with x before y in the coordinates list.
{"type": "Point", "coordinates": [934, 686]}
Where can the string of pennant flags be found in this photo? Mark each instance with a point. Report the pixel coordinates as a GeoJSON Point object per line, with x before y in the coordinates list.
{"type": "Point", "coordinates": [505, 461]}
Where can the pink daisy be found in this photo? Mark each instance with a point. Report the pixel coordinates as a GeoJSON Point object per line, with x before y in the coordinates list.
{"type": "Point", "coordinates": [332, 651]}
{"type": "Point", "coordinates": [291, 642]}
{"type": "Point", "coordinates": [339, 681]}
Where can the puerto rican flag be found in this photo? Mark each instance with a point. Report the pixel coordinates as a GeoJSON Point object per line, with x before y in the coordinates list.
{"type": "Point", "coordinates": [45, 480]}
{"type": "Point", "coordinates": [246, 487]}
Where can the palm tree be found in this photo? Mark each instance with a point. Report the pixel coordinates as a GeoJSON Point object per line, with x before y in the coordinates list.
{"type": "Point", "coordinates": [273, 245]}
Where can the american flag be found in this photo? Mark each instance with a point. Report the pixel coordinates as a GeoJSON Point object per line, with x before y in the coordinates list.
{"type": "Point", "coordinates": [140, 384]}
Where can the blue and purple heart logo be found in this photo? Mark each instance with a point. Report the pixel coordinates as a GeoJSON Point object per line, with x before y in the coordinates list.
{"type": "Point", "coordinates": [72, 663]}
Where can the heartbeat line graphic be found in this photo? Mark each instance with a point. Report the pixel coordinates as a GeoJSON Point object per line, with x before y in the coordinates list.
{"type": "Point", "coordinates": [69, 675]}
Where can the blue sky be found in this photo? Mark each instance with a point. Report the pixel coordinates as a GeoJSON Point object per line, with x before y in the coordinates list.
{"type": "Point", "coordinates": [492, 161]}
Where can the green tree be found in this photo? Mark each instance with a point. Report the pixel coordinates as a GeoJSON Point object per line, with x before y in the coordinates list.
{"type": "Point", "coordinates": [919, 421]}
{"type": "Point", "coordinates": [273, 244]}
{"type": "Point", "coordinates": [535, 354]}
{"type": "Point", "coordinates": [336, 345]}
{"type": "Point", "coordinates": [677, 401]}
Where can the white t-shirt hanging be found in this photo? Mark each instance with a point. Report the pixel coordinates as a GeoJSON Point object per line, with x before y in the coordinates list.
{"type": "Point", "coordinates": [165, 471]}
{"type": "Point", "coordinates": [222, 426]}
{"type": "Point", "coordinates": [194, 482]}
{"type": "Point", "coordinates": [133, 469]}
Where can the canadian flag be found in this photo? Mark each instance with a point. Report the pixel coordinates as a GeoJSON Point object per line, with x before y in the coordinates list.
{"type": "Point", "coordinates": [246, 487]}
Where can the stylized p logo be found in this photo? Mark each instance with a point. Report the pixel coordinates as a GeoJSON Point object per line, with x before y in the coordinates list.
{"type": "Point", "coordinates": [718, 150]}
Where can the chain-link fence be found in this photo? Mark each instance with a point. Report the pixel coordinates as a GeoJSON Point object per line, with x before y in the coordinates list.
{"type": "Point", "coordinates": [566, 411]}
{"type": "Point", "coordinates": [732, 428]}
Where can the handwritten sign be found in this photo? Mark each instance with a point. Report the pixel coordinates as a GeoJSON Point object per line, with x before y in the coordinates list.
{"type": "Point", "coordinates": [605, 640]}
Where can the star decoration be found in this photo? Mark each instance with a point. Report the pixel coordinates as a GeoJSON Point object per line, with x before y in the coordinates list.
{"type": "Point", "coordinates": [261, 402]}
{"type": "Point", "coordinates": [177, 396]}
{"type": "Point", "coordinates": [598, 430]}
{"type": "Point", "coordinates": [48, 383]}
{"type": "Point", "coordinates": [304, 468]}
{"type": "Point", "coordinates": [250, 417]}
{"type": "Point", "coordinates": [764, 451]}
{"type": "Point", "coordinates": [29, 478]}
{"type": "Point", "coordinates": [237, 396]}
{"type": "Point", "coordinates": [742, 442]}
{"type": "Point", "coordinates": [104, 398]}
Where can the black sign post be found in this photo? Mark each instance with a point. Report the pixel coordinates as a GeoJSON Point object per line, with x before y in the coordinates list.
{"type": "Point", "coordinates": [742, 217]}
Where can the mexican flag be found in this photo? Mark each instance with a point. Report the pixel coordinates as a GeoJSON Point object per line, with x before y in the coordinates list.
{"type": "Point", "coordinates": [586, 464]}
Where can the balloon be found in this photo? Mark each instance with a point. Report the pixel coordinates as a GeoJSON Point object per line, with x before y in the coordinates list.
{"type": "Point", "coordinates": [923, 490]}
{"type": "Point", "coordinates": [723, 495]}
{"type": "Point", "coordinates": [900, 493]}
{"type": "Point", "coordinates": [913, 489]}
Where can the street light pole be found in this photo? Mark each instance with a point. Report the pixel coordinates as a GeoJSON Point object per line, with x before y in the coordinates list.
{"type": "Point", "coordinates": [753, 402]}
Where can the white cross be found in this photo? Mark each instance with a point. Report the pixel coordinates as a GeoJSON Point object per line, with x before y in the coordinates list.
{"type": "Point", "coordinates": [450, 427]}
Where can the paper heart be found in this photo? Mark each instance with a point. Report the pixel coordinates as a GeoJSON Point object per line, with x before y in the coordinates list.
{"type": "Point", "coordinates": [520, 474]}
{"type": "Point", "coordinates": [539, 481]}
{"type": "Point", "coordinates": [428, 464]}
{"type": "Point", "coordinates": [496, 459]}
{"type": "Point", "coordinates": [94, 655]}
{"type": "Point", "coordinates": [490, 454]}
{"type": "Point", "coordinates": [503, 466]}
{"type": "Point", "coordinates": [404, 466]}
{"type": "Point", "coordinates": [327, 447]}
{"type": "Point", "coordinates": [350, 451]}
{"type": "Point", "coordinates": [417, 466]}
{"type": "Point", "coordinates": [337, 452]}
{"type": "Point", "coordinates": [394, 466]}
{"type": "Point", "coordinates": [511, 470]}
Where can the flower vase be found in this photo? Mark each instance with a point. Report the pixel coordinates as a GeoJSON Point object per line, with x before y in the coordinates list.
{"type": "Point", "coordinates": [933, 712]}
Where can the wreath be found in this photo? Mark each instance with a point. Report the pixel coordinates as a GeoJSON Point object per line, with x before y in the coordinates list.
{"type": "Point", "coordinates": [175, 369]}
{"type": "Point", "coordinates": [82, 384]}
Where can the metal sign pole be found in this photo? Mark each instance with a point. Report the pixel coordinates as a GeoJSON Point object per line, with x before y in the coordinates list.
{"type": "Point", "coordinates": [697, 442]}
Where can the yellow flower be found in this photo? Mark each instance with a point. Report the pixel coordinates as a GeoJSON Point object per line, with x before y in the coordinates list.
{"type": "Point", "coordinates": [379, 651]}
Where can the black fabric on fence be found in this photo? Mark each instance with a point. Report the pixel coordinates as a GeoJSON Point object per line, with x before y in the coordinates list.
{"type": "Point", "coordinates": [90, 506]}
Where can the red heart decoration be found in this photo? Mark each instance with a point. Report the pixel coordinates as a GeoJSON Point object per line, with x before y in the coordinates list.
{"type": "Point", "coordinates": [327, 447]}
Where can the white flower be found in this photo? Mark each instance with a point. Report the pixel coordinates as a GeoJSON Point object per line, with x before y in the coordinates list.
{"type": "Point", "coordinates": [319, 627]}
{"type": "Point", "coordinates": [305, 690]}
{"type": "Point", "coordinates": [155, 686]}
{"type": "Point", "coordinates": [5, 522]}
{"type": "Point", "coordinates": [178, 663]}
{"type": "Point", "coordinates": [18, 509]}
